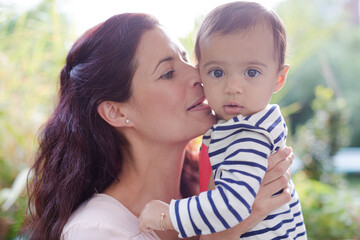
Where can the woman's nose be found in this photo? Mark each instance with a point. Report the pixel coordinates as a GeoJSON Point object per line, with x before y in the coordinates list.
{"type": "Point", "coordinates": [193, 76]}
{"type": "Point", "coordinates": [234, 85]}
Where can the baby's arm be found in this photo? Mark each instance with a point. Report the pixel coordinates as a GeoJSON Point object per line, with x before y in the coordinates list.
{"type": "Point", "coordinates": [155, 216]}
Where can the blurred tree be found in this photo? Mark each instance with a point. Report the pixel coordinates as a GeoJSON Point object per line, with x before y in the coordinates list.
{"type": "Point", "coordinates": [321, 137]}
{"type": "Point", "coordinates": [32, 51]}
{"type": "Point", "coordinates": [324, 49]}
{"type": "Point", "coordinates": [189, 41]}
{"type": "Point", "coordinates": [330, 212]}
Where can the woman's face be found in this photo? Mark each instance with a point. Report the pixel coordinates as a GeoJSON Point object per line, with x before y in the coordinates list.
{"type": "Point", "coordinates": [167, 98]}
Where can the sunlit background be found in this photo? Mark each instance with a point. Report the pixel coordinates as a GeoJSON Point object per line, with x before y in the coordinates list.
{"type": "Point", "coordinates": [177, 15]}
{"type": "Point", "coordinates": [320, 100]}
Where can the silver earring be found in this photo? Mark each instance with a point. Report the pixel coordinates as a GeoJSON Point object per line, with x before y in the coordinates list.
{"type": "Point", "coordinates": [127, 121]}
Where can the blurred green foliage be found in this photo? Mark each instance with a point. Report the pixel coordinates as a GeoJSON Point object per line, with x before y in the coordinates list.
{"type": "Point", "coordinates": [329, 212]}
{"type": "Point", "coordinates": [324, 49]}
{"type": "Point", "coordinates": [32, 51]}
{"type": "Point", "coordinates": [319, 139]}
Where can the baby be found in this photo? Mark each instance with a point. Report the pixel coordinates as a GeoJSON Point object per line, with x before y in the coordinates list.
{"type": "Point", "coordinates": [240, 48]}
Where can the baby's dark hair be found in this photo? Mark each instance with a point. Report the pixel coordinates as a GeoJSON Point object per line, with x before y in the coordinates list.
{"type": "Point", "coordinates": [241, 15]}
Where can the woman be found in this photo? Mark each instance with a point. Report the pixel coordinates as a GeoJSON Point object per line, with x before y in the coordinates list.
{"type": "Point", "coordinates": [129, 103]}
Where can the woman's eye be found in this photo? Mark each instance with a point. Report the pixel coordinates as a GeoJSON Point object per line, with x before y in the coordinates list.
{"type": "Point", "coordinates": [168, 75]}
{"type": "Point", "coordinates": [217, 73]}
{"type": "Point", "coordinates": [252, 73]}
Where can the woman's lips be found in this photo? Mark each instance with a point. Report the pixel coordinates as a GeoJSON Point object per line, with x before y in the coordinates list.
{"type": "Point", "coordinates": [199, 105]}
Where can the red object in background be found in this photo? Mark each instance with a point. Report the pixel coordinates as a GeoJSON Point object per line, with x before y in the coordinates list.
{"type": "Point", "coordinates": [204, 168]}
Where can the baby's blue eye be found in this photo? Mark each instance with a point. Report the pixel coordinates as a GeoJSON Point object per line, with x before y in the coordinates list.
{"type": "Point", "coordinates": [252, 73]}
{"type": "Point", "coordinates": [217, 73]}
{"type": "Point", "coordinates": [168, 75]}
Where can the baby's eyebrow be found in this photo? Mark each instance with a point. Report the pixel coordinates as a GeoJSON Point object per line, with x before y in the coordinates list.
{"type": "Point", "coordinates": [257, 63]}
{"type": "Point", "coordinates": [212, 62]}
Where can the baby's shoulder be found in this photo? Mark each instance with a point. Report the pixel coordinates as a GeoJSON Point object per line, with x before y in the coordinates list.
{"type": "Point", "coordinates": [267, 118]}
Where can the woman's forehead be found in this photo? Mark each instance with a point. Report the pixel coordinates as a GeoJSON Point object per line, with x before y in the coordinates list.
{"type": "Point", "coordinates": [156, 44]}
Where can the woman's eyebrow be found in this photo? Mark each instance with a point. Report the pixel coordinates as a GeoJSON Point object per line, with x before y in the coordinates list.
{"type": "Point", "coordinates": [170, 58]}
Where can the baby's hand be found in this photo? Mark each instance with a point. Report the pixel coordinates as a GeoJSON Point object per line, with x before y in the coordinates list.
{"type": "Point", "coordinates": [155, 216]}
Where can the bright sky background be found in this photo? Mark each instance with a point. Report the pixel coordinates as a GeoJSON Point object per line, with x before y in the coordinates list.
{"type": "Point", "coordinates": [178, 16]}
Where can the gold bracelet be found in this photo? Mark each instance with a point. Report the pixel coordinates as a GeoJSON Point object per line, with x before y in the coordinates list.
{"type": "Point", "coordinates": [162, 222]}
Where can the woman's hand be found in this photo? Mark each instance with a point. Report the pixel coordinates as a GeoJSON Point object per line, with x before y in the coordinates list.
{"type": "Point", "coordinates": [276, 178]}
{"type": "Point", "coordinates": [155, 216]}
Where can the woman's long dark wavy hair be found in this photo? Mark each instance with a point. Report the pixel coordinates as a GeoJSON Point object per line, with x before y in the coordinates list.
{"type": "Point", "coordinates": [79, 153]}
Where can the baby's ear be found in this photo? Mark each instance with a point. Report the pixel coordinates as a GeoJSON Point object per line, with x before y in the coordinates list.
{"type": "Point", "coordinates": [281, 78]}
{"type": "Point", "coordinates": [114, 114]}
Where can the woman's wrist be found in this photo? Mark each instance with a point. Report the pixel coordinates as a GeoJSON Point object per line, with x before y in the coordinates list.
{"type": "Point", "coordinates": [167, 222]}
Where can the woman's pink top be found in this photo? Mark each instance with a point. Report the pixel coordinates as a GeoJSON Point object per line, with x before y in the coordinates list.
{"type": "Point", "coordinates": [103, 217]}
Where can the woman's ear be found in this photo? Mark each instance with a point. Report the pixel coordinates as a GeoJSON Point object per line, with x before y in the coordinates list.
{"type": "Point", "coordinates": [114, 114]}
{"type": "Point", "coordinates": [281, 78]}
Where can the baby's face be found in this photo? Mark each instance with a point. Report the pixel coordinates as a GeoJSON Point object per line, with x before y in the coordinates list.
{"type": "Point", "coordinates": [239, 71]}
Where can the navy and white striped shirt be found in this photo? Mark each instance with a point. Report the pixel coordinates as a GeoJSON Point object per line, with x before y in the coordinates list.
{"type": "Point", "coordinates": [238, 152]}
